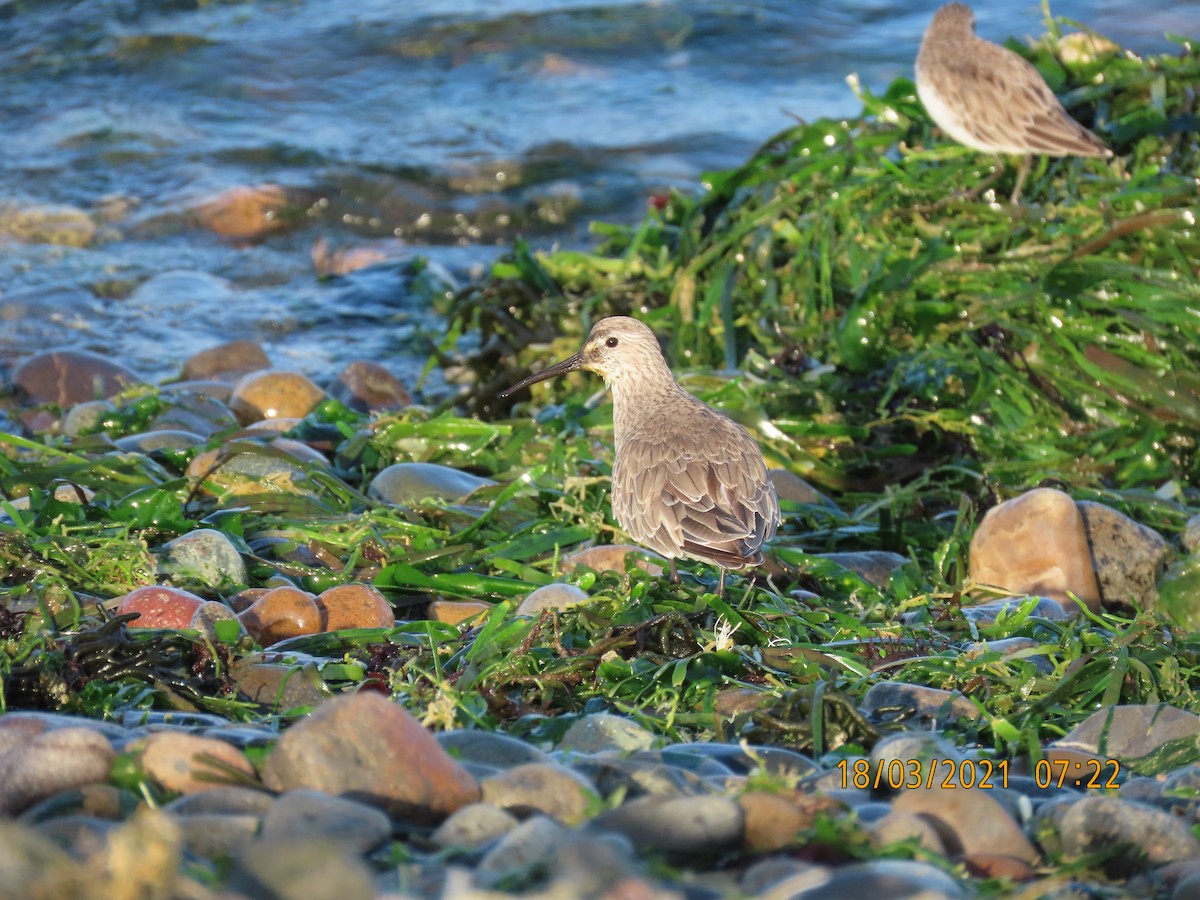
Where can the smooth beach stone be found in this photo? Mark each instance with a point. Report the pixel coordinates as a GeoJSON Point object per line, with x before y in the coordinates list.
{"type": "Point", "coordinates": [354, 606]}
{"type": "Point", "coordinates": [86, 416]}
{"type": "Point", "coordinates": [47, 223]}
{"type": "Point", "coordinates": [772, 821]}
{"type": "Point", "coordinates": [16, 727]}
{"type": "Point", "coordinates": [328, 260]}
{"type": "Point", "coordinates": [554, 790]}
{"type": "Point", "coordinates": [1136, 835]}
{"type": "Point", "coordinates": [1128, 556]}
{"type": "Point", "coordinates": [205, 557]}
{"type": "Point", "coordinates": [268, 427]}
{"type": "Point", "coordinates": [613, 558]}
{"type": "Point", "coordinates": [63, 493]}
{"type": "Point", "coordinates": [551, 596]}
{"type": "Point", "coordinates": [1179, 593]}
{"type": "Point", "coordinates": [896, 826]}
{"type": "Point", "coordinates": [277, 686]}
{"type": "Point", "coordinates": [274, 393]}
{"type": "Point", "coordinates": [299, 870]}
{"type": "Point", "coordinates": [473, 826]}
{"type": "Point", "coordinates": [306, 814]}
{"type": "Point", "coordinates": [491, 748]}
{"type": "Point", "coordinates": [779, 878]}
{"type": "Point", "coordinates": [932, 705]}
{"type": "Point", "coordinates": [187, 763]}
{"type": "Point", "coordinates": [969, 820]}
{"type": "Point", "coordinates": [791, 487]}
{"type": "Point", "coordinates": [774, 761]}
{"type": "Point", "coordinates": [281, 613]}
{"type": "Point", "coordinates": [231, 800]}
{"type": "Point", "coordinates": [1190, 538]}
{"type": "Point", "coordinates": [530, 847]}
{"type": "Point", "coordinates": [875, 567]}
{"type": "Point", "coordinates": [406, 484]}
{"type": "Point", "coordinates": [160, 439]}
{"type": "Point", "coordinates": [48, 763]}
{"type": "Point", "coordinates": [1130, 731]}
{"type": "Point", "coordinates": [67, 377]}
{"type": "Point", "coordinates": [455, 612]}
{"type": "Point", "coordinates": [678, 826]}
{"type": "Point", "coordinates": [987, 613]}
{"type": "Point", "coordinates": [637, 777]}
{"type": "Point", "coordinates": [209, 614]}
{"type": "Point", "coordinates": [244, 212]}
{"type": "Point", "coordinates": [365, 747]}
{"type": "Point", "coordinates": [604, 865]}
{"type": "Point", "coordinates": [601, 732]}
{"type": "Point", "coordinates": [85, 836]}
{"type": "Point", "coordinates": [193, 411]}
{"type": "Point", "coordinates": [226, 362]}
{"type": "Point", "coordinates": [160, 606]}
{"type": "Point", "coordinates": [894, 879]}
{"type": "Point", "coordinates": [217, 835]}
{"type": "Point", "coordinates": [911, 753]}
{"type": "Point", "coordinates": [366, 386]}
{"type": "Point", "coordinates": [1036, 544]}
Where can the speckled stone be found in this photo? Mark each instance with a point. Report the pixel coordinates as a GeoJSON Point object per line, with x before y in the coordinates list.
{"type": "Point", "coordinates": [1129, 557]}
{"type": "Point", "coordinates": [204, 557]}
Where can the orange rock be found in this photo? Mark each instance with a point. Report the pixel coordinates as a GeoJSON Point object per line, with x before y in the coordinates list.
{"type": "Point", "coordinates": [188, 763]}
{"type": "Point", "coordinates": [354, 606]}
{"type": "Point", "coordinates": [453, 612]}
{"type": "Point", "coordinates": [160, 606]}
{"type": "Point", "coordinates": [245, 212]}
{"type": "Point", "coordinates": [281, 613]}
{"type": "Point", "coordinates": [1036, 544]}
{"type": "Point", "coordinates": [272, 394]}
{"type": "Point", "coordinates": [364, 386]}
{"type": "Point", "coordinates": [611, 558]}
{"type": "Point", "coordinates": [365, 747]}
{"type": "Point", "coordinates": [234, 358]}
{"type": "Point", "coordinates": [772, 821]}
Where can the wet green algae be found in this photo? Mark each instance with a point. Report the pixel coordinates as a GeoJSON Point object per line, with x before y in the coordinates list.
{"type": "Point", "coordinates": [915, 357]}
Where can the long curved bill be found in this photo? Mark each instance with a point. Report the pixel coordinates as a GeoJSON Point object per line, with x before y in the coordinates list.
{"type": "Point", "coordinates": [560, 368]}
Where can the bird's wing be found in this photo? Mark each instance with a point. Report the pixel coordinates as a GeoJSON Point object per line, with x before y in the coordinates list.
{"type": "Point", "coordinates": [1012, 106]}
{"type": "Point", "coordinates": [707, 497]}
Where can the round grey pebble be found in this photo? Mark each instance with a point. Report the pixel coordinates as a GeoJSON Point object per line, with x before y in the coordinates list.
{"type": "Point", "coordinates": [204, 557]}
{"type": "Point", "coordinates": [680, 826]}
{"type": "Point", "coordinates": [895, 879]}
{"type": "Point", "coordinates": [304, 813]}
{"type": "Point", "coordinates": [530, 846]}
{"type": "Point", "coordinates": [474, 825]}
{"type": "Point", "coordinates": [490, 749]}
{"type": "Point", "coordinates": [602, 731]}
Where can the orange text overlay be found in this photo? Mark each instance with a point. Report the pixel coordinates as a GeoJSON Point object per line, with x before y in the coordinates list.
{"type": "Point", "coordinates": [898, 774]}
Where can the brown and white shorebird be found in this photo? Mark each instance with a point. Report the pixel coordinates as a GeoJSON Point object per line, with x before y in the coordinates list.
{"type": "Point", "coordinates": [687, 481]}
{"type": "Point", "coordinates": [988, 98]}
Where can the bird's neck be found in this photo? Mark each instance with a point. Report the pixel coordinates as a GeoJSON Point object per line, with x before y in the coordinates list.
{"type": "Point", "coordinates": [633, 396]}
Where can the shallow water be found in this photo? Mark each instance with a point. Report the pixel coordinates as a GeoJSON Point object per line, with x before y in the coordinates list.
{"type": "Point", "coordinates": [435, 128]}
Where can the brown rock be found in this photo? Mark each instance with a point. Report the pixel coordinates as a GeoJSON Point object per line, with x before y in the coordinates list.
{"type": "Point", "coordinates": [1128, 731]}
{"type": "Point", "coordinates": [1036, 544]}
{"type": "Point", "coordinates": [900, 826]}
{"type": "Point", "coordinates": [611, 558]}
{"type": "Point", "coordinates": [160, 606]}
{"type": "Point", "coordinates": [548, 788]}
{"type": "Point", "coordinates": [281, 613]}
{"type": "Point", "coordinates": [67, 377]}
{"type": "Point", "coordinates": [969, 821]}
{"type": "Point", "coordinates": [327, 260]}
{"type": "Point", "coordinates": [453, 612]}
{"type": "Point", "coordinates": [1128, 557]}
{"type": "Point", "coordinates": [772, 821]}
{"type": "Point", "coordinates": [187, 763]}
{"type": "Point", "coordinates": [271, 394]}
{"type": "Point", "coordinates": [994, 865]}
{"type": "Point", "coordinates": [366, 747]}
{"type": "Point", "coordinates": [367, 386]}
{"type": "Point", "coordinates": [790, 486]}
{"type": "Point", "coordinates": [354, 606]}
{"type": "Point", "coordinates": [245, 212]}
{"type": "Point", "coordinates": [52, 762]}
{"type": "Point", "coordinates": [226, 362]}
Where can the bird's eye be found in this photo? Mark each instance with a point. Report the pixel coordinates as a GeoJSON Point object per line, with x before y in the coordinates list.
{"type": "Point", "coordinates": [611, 342]}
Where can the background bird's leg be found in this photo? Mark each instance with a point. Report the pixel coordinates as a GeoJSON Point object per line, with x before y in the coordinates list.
{"type": "Point", "coordinates": [1022, 174]}
{"type": "Point", "coordinates": [674, 573]}
{"type": "Point", "coordinates": [721, 583]}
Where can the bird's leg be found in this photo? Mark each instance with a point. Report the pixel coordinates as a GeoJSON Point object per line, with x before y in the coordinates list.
{"type": "Point", "coordinates": [1022, 174]}
{"type": "Point", "coordinates": [973, 193]}
{"type": "Point", "coordinates": [674, 573]}
{"type": "Point", "coordinates": [721, 583]}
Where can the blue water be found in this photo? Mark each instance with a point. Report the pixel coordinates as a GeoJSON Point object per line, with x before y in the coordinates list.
{"type": "Point", "coordinates": [435, 128]}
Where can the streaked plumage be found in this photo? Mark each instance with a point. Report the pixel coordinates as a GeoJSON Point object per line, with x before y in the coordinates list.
{"type": "Point", "coordinates": [988, 98]}
{"type": "Point", "coordinates": [687, 482]}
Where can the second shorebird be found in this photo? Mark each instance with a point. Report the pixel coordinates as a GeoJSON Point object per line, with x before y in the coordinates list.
{"type": "Point", "coordinates": [687, 481]}
{"type": "Point", "coordinates": [987, 97]}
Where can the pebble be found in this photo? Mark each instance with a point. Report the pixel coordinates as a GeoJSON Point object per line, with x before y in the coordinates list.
{"type": "Point", "coordinates": [244, 212]}
{"type": "Point", "coordinates": [474, 825]}
{"type": "Point", "coordinates": [67, 377]}
{"type": "Point", "coordinates": [895, 879]}
{"type": "Point", "coordinates": [281, 613]}
{"type": "Point", "coordinates": [398, 765]}
{"type": "Point", "coordinates": [456, 612]}
{"type": "Point", "coordinates": [556, 791]}
{"type": "Point", "coordinates": [489, 748]}
{"type": "Point", "coordinates": [530, 847]}
{"type": "Point", "coordinates": [353, 606]}
{"type": "Point", "coordinates": [875, 567]}
{"type": "Point", "coordinates": [677, 826]}
{"type": "Point", "coordinates": [205, 558]}
{"type": "Point", "coordinates": [1137, 836]}
{"type": "Point", "coordinates": [614, 558]}
{"type": "Point", "coordinates": [277, 686]}
{"type": "Point", "coordinates": [1130, 731]}
{"type": "Point", "coordinates": [932, 706]}
{"type": "Point", "coordinates": [602, 732]}
{"type": "Point", "coordinates": [1129, 557]}
{"type": "Point", "coordinates": [218, 835]}
{"type": "Point", "coordinates": [551, 596]}
{"type": "Point", "coordinates": [300, 870]}
{"type": "Point", "coordinates": [273, 394]}
{"type": "Point", "coordinates": [969, 820]}
{"type": "Point", "coordinates": [226, 362]}
{"type": "Point", "coordinates": [791, 487]}
{"type": "Point", "coordinates": [1036, 544]}
{"type": "Point", "coordinates": [407, 484]}
{"type": "Point", "coordinates": [209, 614]}
{"type": "Point", "coordinates": [304, 814]}
{"type": "Point", "coordinates": [366, 386]}
{"type": "Point", "coordinates": [635, 777]}
{"type": "Point", "coordinates": [44, 764]}
{"type": "Point", "coordinates": [186, 764]}
{"type": "Point", "coordinates": [159, 439]}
